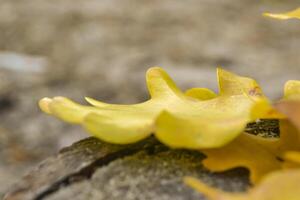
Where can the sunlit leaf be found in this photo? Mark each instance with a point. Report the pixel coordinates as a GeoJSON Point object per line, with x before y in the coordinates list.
{"type": "Point", "coordinates": [281, 185]}
{"type": "Point", "coordinates": [260, 155]}
{"type": "Point", "coordinates": [194, 132]}
{"type": "Point", "coordinates": [199, 119]}
{"type": "Point", "coordinates": [287, 15]}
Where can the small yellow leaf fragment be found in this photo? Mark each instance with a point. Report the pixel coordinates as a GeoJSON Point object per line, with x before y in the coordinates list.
{"type": "Point", "coordinates": [281, 185]}
{"type": "Point", "coordinates": [288, 15]}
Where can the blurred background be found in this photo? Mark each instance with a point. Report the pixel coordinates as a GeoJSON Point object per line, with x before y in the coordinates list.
{"type": "Point", "coordinates": [102, 48]}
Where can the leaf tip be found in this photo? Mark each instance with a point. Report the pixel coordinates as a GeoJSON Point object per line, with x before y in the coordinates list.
{"type": "Point", "coordinates": [44, 104]}
{"type": "Point", "coordinates": [154, 70]}
{"type": "Point", "coordinates": [276, 16]}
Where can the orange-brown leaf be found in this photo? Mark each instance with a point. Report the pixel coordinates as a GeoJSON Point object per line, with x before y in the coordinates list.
{"type": "Point", "coordinates": [260, 155]}
{"type": "Point", "coordinates": [281, 185]}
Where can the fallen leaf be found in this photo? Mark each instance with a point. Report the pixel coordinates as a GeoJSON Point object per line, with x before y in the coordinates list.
{"type": "Point", "coordinates": [287, 15]}
{"type": "Point", "coordinates": [281, 185]}
{"type": "Point", "coordinates": [202, 119]}
{"type": "Point", "coordinates": [260, 155]}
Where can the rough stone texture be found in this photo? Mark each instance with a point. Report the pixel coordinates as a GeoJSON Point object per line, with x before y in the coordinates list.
{"type": "Point", "coordinates": [149, 171]}
{"type": "Point", "coordinates": [71, 164]}
{"type": "Point", "coordinates": [94, 170]}
{"type": "Point", "coordinates": [102, 48]}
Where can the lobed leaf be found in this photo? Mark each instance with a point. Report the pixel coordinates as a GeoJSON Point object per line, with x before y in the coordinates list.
{"type": "Point", "coordinates": [197, 119]}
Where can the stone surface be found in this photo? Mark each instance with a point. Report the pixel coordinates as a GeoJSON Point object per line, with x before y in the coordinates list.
{"type": "Point", "coordinates": [71, 164]}
{"type": "Point", "coordinates": [146, 170]}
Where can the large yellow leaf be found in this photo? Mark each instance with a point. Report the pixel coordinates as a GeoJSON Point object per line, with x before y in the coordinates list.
{"type": "Point", "coordinates": [281, 185]}
{"type": "Point", "coordinates": [177, 119]}
{"type": "Point", "coordinates": [287, 15]}
{"type": "Point", "coordinates": [260, 155]}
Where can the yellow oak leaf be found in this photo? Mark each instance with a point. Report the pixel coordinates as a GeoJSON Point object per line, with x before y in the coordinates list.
{"type": "Point", "coordinates": [202, 119]}
{"type": "Point", "coordinates": [260, 155]}
{"type": "Point", "coordinates": [280, 185]}
{"type": "Point", "coordinates": [288, 15]}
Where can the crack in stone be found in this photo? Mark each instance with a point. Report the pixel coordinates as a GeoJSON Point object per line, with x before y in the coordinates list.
{"type": "Point", "coordinates": [73, 164]}
{"type": "Point", "coordinates": [87, 172]}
